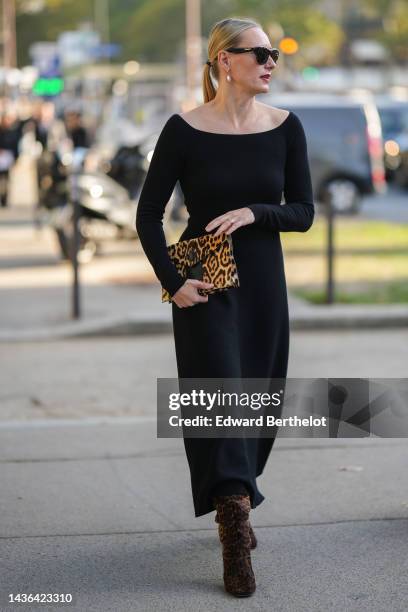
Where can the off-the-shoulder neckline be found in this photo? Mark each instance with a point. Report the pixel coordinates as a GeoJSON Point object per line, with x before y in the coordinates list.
{"type": "Point", "coordinates": [223, 134]}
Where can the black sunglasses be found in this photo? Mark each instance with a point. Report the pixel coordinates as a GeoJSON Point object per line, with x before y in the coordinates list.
{"type": "Point", "coordinates": [261, 53]}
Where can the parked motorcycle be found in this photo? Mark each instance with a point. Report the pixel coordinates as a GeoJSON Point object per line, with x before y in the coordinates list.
{"type": "Point", "coordinates": [106, 210]}
{"type": "Point", "coordinates": [107, 196]}
{"type": "Point", "coordinates": [54, 168]}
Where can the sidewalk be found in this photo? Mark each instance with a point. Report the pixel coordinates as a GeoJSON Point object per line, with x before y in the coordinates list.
{"type": "Point", "coordinates": [95, 505]}
{"type": "Point", "coordinates": [119, 292]}
{"type": "Point", "coordinates": [119, 295]}
{"type": "Point", "coordinates": [102, 509]}
{"type": "Point", "coordinates": [44, 313]}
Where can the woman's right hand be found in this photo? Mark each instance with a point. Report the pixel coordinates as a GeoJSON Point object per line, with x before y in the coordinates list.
{"type": "Point", "coordinates": [188, 294]}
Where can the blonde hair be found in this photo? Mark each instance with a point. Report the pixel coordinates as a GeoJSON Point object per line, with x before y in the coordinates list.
{"type": "Point", "coordinates": [223, 34]}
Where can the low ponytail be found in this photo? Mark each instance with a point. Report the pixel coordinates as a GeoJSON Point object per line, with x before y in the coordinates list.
{"type": "Point", "coordinates": [209, 90]}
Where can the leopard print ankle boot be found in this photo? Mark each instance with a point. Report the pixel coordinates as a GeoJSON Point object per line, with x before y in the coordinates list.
{"type": "Point", "coordinates": [252, 535]}
{"type": "Point", "coordinates": [233, 516]}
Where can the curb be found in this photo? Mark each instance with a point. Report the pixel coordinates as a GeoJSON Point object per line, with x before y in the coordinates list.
{"type": "Point", "coordinates": [352, 321]}
{"type": "Point", "coordinates": [120, 326]}
{"type": "Point", "coordinates": [137, 326]}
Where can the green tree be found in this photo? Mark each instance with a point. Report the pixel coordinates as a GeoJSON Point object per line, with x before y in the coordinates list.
{"type": "Point", "coordinates": [154, 30]}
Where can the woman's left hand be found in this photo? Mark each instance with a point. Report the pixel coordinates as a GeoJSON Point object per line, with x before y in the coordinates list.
{"type": "Point", "coordinates": [231, 220]}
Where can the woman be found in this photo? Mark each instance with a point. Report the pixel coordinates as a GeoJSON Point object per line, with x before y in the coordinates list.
{"type": "Point", "coordinates": [233, 157]}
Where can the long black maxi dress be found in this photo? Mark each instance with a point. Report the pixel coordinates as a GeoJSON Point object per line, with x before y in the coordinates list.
{"type": "Point", "coordinates": [242, 332]}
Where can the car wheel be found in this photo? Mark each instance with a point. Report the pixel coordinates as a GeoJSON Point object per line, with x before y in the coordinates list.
{"type": "Point", "coordinates": [344, 196]}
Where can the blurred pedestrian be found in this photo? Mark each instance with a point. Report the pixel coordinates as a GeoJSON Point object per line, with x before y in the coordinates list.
{"type": "Point", "coordinates": [9, 139]}
{"type": "Point", "coordinates": [75, 130]}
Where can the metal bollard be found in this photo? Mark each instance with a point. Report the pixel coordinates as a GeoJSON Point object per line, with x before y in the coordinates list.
{"type": "Point", "coordinates": [330, 250]}
{"type": "Point", "coordinates": [76, 167]}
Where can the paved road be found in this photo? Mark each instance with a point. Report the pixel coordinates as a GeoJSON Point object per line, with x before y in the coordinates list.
{"type": "Point", "coordinates": [391, 206]}
{"type": "Point", "coordinates": [94, 504]}
{"type": "Point", "coordinates": [117, 376]}
{"type": "Point", "coordinates": [105, 512]}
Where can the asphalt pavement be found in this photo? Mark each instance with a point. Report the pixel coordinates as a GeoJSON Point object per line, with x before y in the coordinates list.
{"type": "Point", "coordinates": [119, 293]}
{"type": "Point", "coordinates": [95, 505]}
{"type": "Point", "coordinates": [104, 512]}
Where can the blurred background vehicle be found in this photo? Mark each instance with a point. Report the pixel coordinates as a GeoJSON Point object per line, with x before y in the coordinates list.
{"type": "Point", "coordinates": [108, 192]}
{"type": "Point", "coordinates": [106, 208]}
{"type": "Point", "coordinates": [394, 121]}
{"type": "Point", "coordinates": [345, 146]}
{"type": "Point", "coordinates": [105, 189]}
{"type": "Point", "coordinates": [113, 182]}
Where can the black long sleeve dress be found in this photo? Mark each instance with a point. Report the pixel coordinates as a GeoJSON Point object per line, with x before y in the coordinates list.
{"type": "Point", "coordinates": [242, 332]}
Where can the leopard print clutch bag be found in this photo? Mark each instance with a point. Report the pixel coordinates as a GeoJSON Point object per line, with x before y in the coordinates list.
{"type": "Point", "coordinates": [209, 258]}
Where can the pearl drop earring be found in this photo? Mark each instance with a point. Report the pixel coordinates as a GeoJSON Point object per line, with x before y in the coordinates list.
{"type": "Point", "coordinates": [229, 78]}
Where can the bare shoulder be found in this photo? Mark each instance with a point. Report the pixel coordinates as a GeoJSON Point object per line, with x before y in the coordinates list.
{"type": "Point", "coordinates": [196, 115]}
{"type": "Point", "coordinates": [275, 115]}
